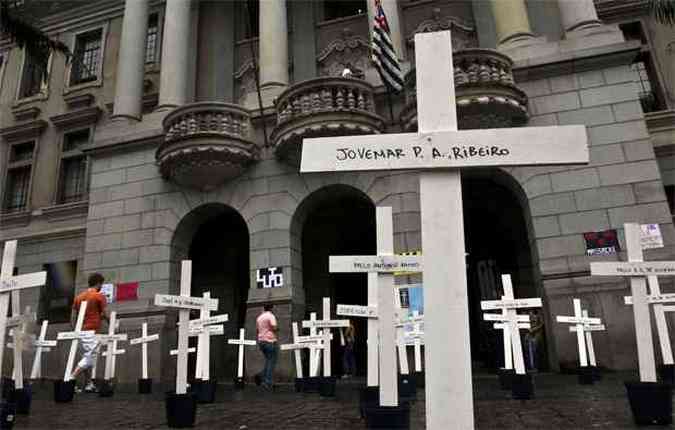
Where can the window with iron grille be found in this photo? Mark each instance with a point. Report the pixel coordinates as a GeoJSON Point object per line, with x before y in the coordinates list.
{"type": "Point", "coordinates": [86, 57]}
{"type": "Point", "coordinates": [32, 82]}
{"type": "Point", "coordinates": [73, 174]}
{"type": "Point", "coordinates": [56, 296]}
{"type": "Point", "coordinates": [17, 182]}
{"type": "Point", "coordinates": [152, 39]}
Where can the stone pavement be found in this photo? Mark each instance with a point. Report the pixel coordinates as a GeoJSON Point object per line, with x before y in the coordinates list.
{"type": "Point", "coordinates": [560, 403]}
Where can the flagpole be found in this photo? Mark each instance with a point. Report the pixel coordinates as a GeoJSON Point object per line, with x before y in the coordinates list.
{"type": "Point", "coordinates": [390, 102]}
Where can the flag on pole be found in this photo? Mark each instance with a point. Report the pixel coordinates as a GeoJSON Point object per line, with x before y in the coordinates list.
{"type": "Point", "coordinates": [384, 54]}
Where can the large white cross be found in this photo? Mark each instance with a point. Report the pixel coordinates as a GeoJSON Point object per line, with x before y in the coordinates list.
{"type": "Point", "coordinates": [143, 341]}
{"type": "Point", "coordinates": [438, 145]}
{"type": "Point", "coordinates": [184, 302]}
{"type": "Point", "coordinates": [41, 345]}
{"type": "Point", "coordinates": [523, 323]}
{"type": "Point", "coordinates": [20, 335]}
{"type": "Point", "coordinates": [588, 331]}
{"type": "Point", "coordinates": [384, 265]}
{"type": "Point", "coordinates": [580, 323]}
{"type": "Point", "coordinates": [369, 312]}
{"type": "Point", "coordinates": [242, 342]}
{"type": "Point", "coordinates": [10, 283]}
{"type": "Point", "coordinates": [74, 336]}
{"type": "Point", "coordinates": [638, 271]}
{"type": "Point", "coordinates": [203, 365]}
{"type": "Point", "coordinates": [326, 324]}
{"type": "Point", "coordinates": [511, 318]}
{"type": "Point", "coordinates": [110, 340]}
{"type": "Point", "coordinates": [311, 342]}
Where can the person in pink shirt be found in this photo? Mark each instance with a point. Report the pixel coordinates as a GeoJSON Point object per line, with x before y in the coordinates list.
{"type": "Point", "coordinates": [267, 329]}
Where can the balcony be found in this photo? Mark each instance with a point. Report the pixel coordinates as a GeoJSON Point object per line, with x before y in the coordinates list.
{"type": "Point", "coordinates": [323, 107]}
{"type": "Point", "coordinates": [486, 94]}
{"type": "Point", "coordinates": [206, 144]}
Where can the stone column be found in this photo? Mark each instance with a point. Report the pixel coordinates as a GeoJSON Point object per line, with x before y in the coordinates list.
{"type": "Point", "coordinates": [511, 20]}
{"type": "Point", "coordinates": [131, 61]}
{"type": "Point", "coordinates": [173, 85]}
{"type": "Point", "coordinates": [273, 49]}
{"type": "Point", "coordinates": [391, 11]}
{"type": "Point", "coordinates": [578, 15]}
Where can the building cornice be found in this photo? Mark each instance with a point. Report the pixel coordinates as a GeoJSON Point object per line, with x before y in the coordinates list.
{"type": "Point", "coordinates": [617, 10]}
{"type": "Point", "coordinates": [41, 236]}
{"type": "Point", "coordinates": [76, 118]}
{"type": "Point", "coordinates": [28, 130]}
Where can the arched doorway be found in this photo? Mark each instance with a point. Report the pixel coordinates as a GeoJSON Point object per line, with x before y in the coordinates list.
{"type": "Point", "coordinates": [336, 220]}
{"type": "Point", "coordinates": [215, 237]}
{"type": "Point", "coordinates": [497, 242]}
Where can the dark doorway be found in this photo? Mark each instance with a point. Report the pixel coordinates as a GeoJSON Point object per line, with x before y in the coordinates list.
{"type": "Point", "coordinates": [220, 264]}
{"type": "Point", "coordinates": [339, 221]}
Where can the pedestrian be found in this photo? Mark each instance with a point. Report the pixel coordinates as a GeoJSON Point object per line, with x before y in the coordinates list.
{"type": "Point", "coordinates": [348, 358]}
{"type": "Point", "coordinates": [267, 329]}
{"type": "Point", "coordinates": [93, 317]}
{"type": "Point", "coordinates": [534, 338]}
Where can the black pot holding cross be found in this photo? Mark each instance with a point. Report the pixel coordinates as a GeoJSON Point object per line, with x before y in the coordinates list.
{"type": "Point", "coordinates": [205, 390]}
{"type": "Point", "coordinates": [311, 385]}
{"type": "Point", "coordinates": [7, 415]}
{"type": "Point", "coordinates": [22, 399]}
{"type": "Point", "coordinates": [650, 402]}
{"type": "Point", "coordinates": [597, 373]}
{"type": "Point", "coordinates": [388, 417]}
{"type": "Point", "coordinates": [586, 375]}
{"type": "Point", "coordinates": [407, 387]}
{"type": "Point", "coordinates": [145, 386]}
{"type": "Point", "coordinates": [505, 377]}
{"type": "Point", "coordinates": [7, 387]}
{"type": "Point", "coordinates": [239, 383]}
{"type": "Point", "coordinates": [667, 373]}
{"type": "Point", "coordinates": [522, 387]}
{"type": "Point", "coordinates": [368, 396]}
{"type": "Point", "coordinates": [181, 410]}
{"type": "Point", "coordinates": [327, 386]}
{"type": "Point", "coordinates": [106, 388]}
{"type": "Point", "coordinates": [64, 391]}
{"type": "Point", "coordinates": [419, 378]}
{"type": "Point", "coordinates": [299, 385]}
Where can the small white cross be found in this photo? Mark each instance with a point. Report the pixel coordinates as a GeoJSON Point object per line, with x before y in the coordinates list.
{"type": "Point", "coordinates": [41, 345]}
{"type": "Point", "coordinates": [241, 342]}
{"type": "Point", "coordinates": [143, 341]}
{"type": "Point", "coordinates": [580, 322]}
{"type": "Point", "coordinates": [110, 340]}
{"type": "Point", "coordinates": [74, 336]}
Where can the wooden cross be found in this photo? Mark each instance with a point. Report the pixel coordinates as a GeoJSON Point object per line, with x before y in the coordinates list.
{"type": "Point", "coordinates": [110, 340]}
{"type": "Point", "coordinates": [19, 334]}
{"type": "Point", "coordinates": [311, 342]}
{"type": "Point", "coordinates": [384, 265]}
{"type": "Point", "coordinates": [41, 345]}
{"type": "Point", "coordinates": [12, 284]}
{"type": "Point", "coordinates": [638, 271]}
{"type": "Point", "coordinates": [74, 336]}
{"type": "Point", "coordinates": [369, 312]}
{"type": "Point", "coordinates": [143, 341]}
{"type": "Point", "coordinates": [511, 318]}
{"type": "Point", "coordinates": [242, 342]}
{"type": "Point", "coordinates": [203, 367]}
{"type": "Point", "coordinates": [326, 324]}
{"type": "Point", "coordinates": [438, 145]}
{"type": "Point", "coordinates": [184, 302]}
{"type": "Point", "coordinates": [523, 324]}
{"type": "Point", "coordinates": [580, 322]}
{"type": "Point", "coordinates": [588, 330]}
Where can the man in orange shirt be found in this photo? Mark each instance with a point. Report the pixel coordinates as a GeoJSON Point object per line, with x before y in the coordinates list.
{"type": "Point", "coordinates": [93, 317]}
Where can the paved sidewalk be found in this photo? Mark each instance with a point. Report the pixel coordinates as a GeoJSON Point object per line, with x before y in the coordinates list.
{"type": "Point", "coordinates": [560, 403]}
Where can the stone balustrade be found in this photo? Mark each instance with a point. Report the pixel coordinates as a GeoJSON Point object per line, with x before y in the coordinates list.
{"type": "Point", "coordinates": [485, 92]}
{"type": "Point", "coordinates": [323, 107]}
{"type": "Point", "coordinates": [206, 144]}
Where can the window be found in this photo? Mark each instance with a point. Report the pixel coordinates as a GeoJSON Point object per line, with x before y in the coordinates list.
{"type": "Point", "coordinates": [670, 196]}
{"type": "Point", "coordinates": [405, 298]}
{"type": "Point", "coordinates": [341, 9]}
{"type": "Point", "coordinates": [250, 18]}
{"type": "Point", "coordinates": [152, 39]}
{"type": "Point", "coordinates": [73, 173]}
{"type": "Point", "coordinates": [19, 168]}
{"type": "Point", "coordinates": [56, 296]}
{"type": "Point", "coordinates": [32, 82]}
{"type": "Point", "coordinates": [86, 57]}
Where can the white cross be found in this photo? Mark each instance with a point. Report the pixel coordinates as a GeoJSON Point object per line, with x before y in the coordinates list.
{"type": "Point", "coordinates": [184, 303]}
{"type": "Point", "coordinates": [369, 312]}
{"type": "Point", "coordinates": [384, 264]}
{"type": "Point", "coordinates": [110, 340]}
{"type": "Point", "coordinates": [438, 145]}
{"type": "Point", "coordinates": [580, 322]}
{"type": "Point", "coordinates": [588, 330]}
{"type": "Point", "coordinates": [311, 342]}
{"type": "Point", "coordinates": [203, 366]}
{"type": "Point", "coordinates": [523, 324]}
{"type": "Point", "coordinates": [41, 345]}
{"type": "Point", "coordinates": [417, 335]}
{"type": "Point", "coordinates": [511, 318]}
{"type": "Point", "coordinates": [74, 336]}
{"type": "Point", "coordinates": [241, 342]}
{"type": "Point", "coordinates": [638, 270]}
{"type": "Point", "coordinates": [10, 283]}
{"type": "Point", "coordinates": [143, 341]}
{"type": "Point", "coordinates": [19, 335]}
{"type": "Point", "coordinates": [326, 324]}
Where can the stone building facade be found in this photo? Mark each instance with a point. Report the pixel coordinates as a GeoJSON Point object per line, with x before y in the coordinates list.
{"type": "Point", "coordinates": [154, 145]}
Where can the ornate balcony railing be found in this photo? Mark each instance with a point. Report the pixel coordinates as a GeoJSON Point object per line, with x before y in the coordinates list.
{"type": "Point", "coordinates": [486, 94]}
{"type": "Point", "coordinates": [206, 144]}
{"type": "Point", "coordinates": [323, 107]}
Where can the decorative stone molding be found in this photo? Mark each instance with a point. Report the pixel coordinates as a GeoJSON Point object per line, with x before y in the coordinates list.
{"type": "Point", "coordinates": [26, 114]}
{"type": "Point", "coordinates": [463, 33]}
{"type": "Point", "coordinates": [206, 144]}
{"type": "Point", "coordinates": [80, 117]}
{"type": "Point", "coordinates": [25, 131]}
{"type": "Point", "coordinates": [15, 219]}
{"type": "Point", "coordinates": [66, 211]}
{"type": "Point", "coordinates": [323, 107]}
{"type": "Point", "coordinates": [349, 49]}
{"type": "Point", "coordinates": [77, 101]}
{"type": "Point", "coordinates": [487, 96]}
{"type": "Point", "coordinates": [615, 10]}
{"type": "Point", "coordinates": [244, 79]}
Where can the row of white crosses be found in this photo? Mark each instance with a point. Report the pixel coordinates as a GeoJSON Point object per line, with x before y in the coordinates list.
{"type": "Point", "coordinates": [583, 325]}
{"type": "Point", "coordinates": [440, 151]}
{"type": "Point", "coordinates": [639, 271]}
{"type": "Point", "coordinates": [314, 343]}
{"type": "Point", "coordinates": [326, 324]}
{"type": "Point", "coordinates": [511, 322]}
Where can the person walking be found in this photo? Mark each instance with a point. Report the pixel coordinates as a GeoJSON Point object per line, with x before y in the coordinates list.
{"type": "Point", "coordinates": [93, 317]}
{"type": "Point", "coordinates": [267, 329]}
{"type": "Point", "coordinates": [348, 358]}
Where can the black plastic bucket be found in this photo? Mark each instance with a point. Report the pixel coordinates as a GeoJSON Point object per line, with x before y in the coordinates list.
{"type": "Point", "coordinates": [327, 386]}
{"type": "Point", "coordinates": [505, 378]}
{"type": "Point", "coordinates": [239, 383]}
{"type": "Point", "coordinates": [650, 402]}
{"type": "Point", "coordinates": [64, 391]}
{"type": "Point", "coordinates": [106, 388]}
{"type": "Point", "coordinates": [667, 373]}
{"type": "Point", "coordinates": [311, 385]}
{"type": "Point", "coordinates": [388, 417]}
{"type": "Point", "coordinates": [419, 378]}
{"type": "Point", "coordinates": [586, 375]}
{"type": "Point", "coordinates": [597, 373]}
{"type": "Point", "coordinates": [368, 396]}
{"type": "Point", "coordinates": [521, 387]}
{"type": "Point", "coordinates": [181, 410]}
{"type": "Point", "coordinates": [407, 387]}
{"type": "Point", "coordinates": [206, 390]}
{"type": "Point", "coordinates": [22, 400]}
{"type": "Point", "coordinates": [299, 385]}
{"type": "Point", "coordinates": [7, 388]}
{"type": "Point", "coordinates": [145, 386]}
{"type": "Point", "coordinates": [7, 415]}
